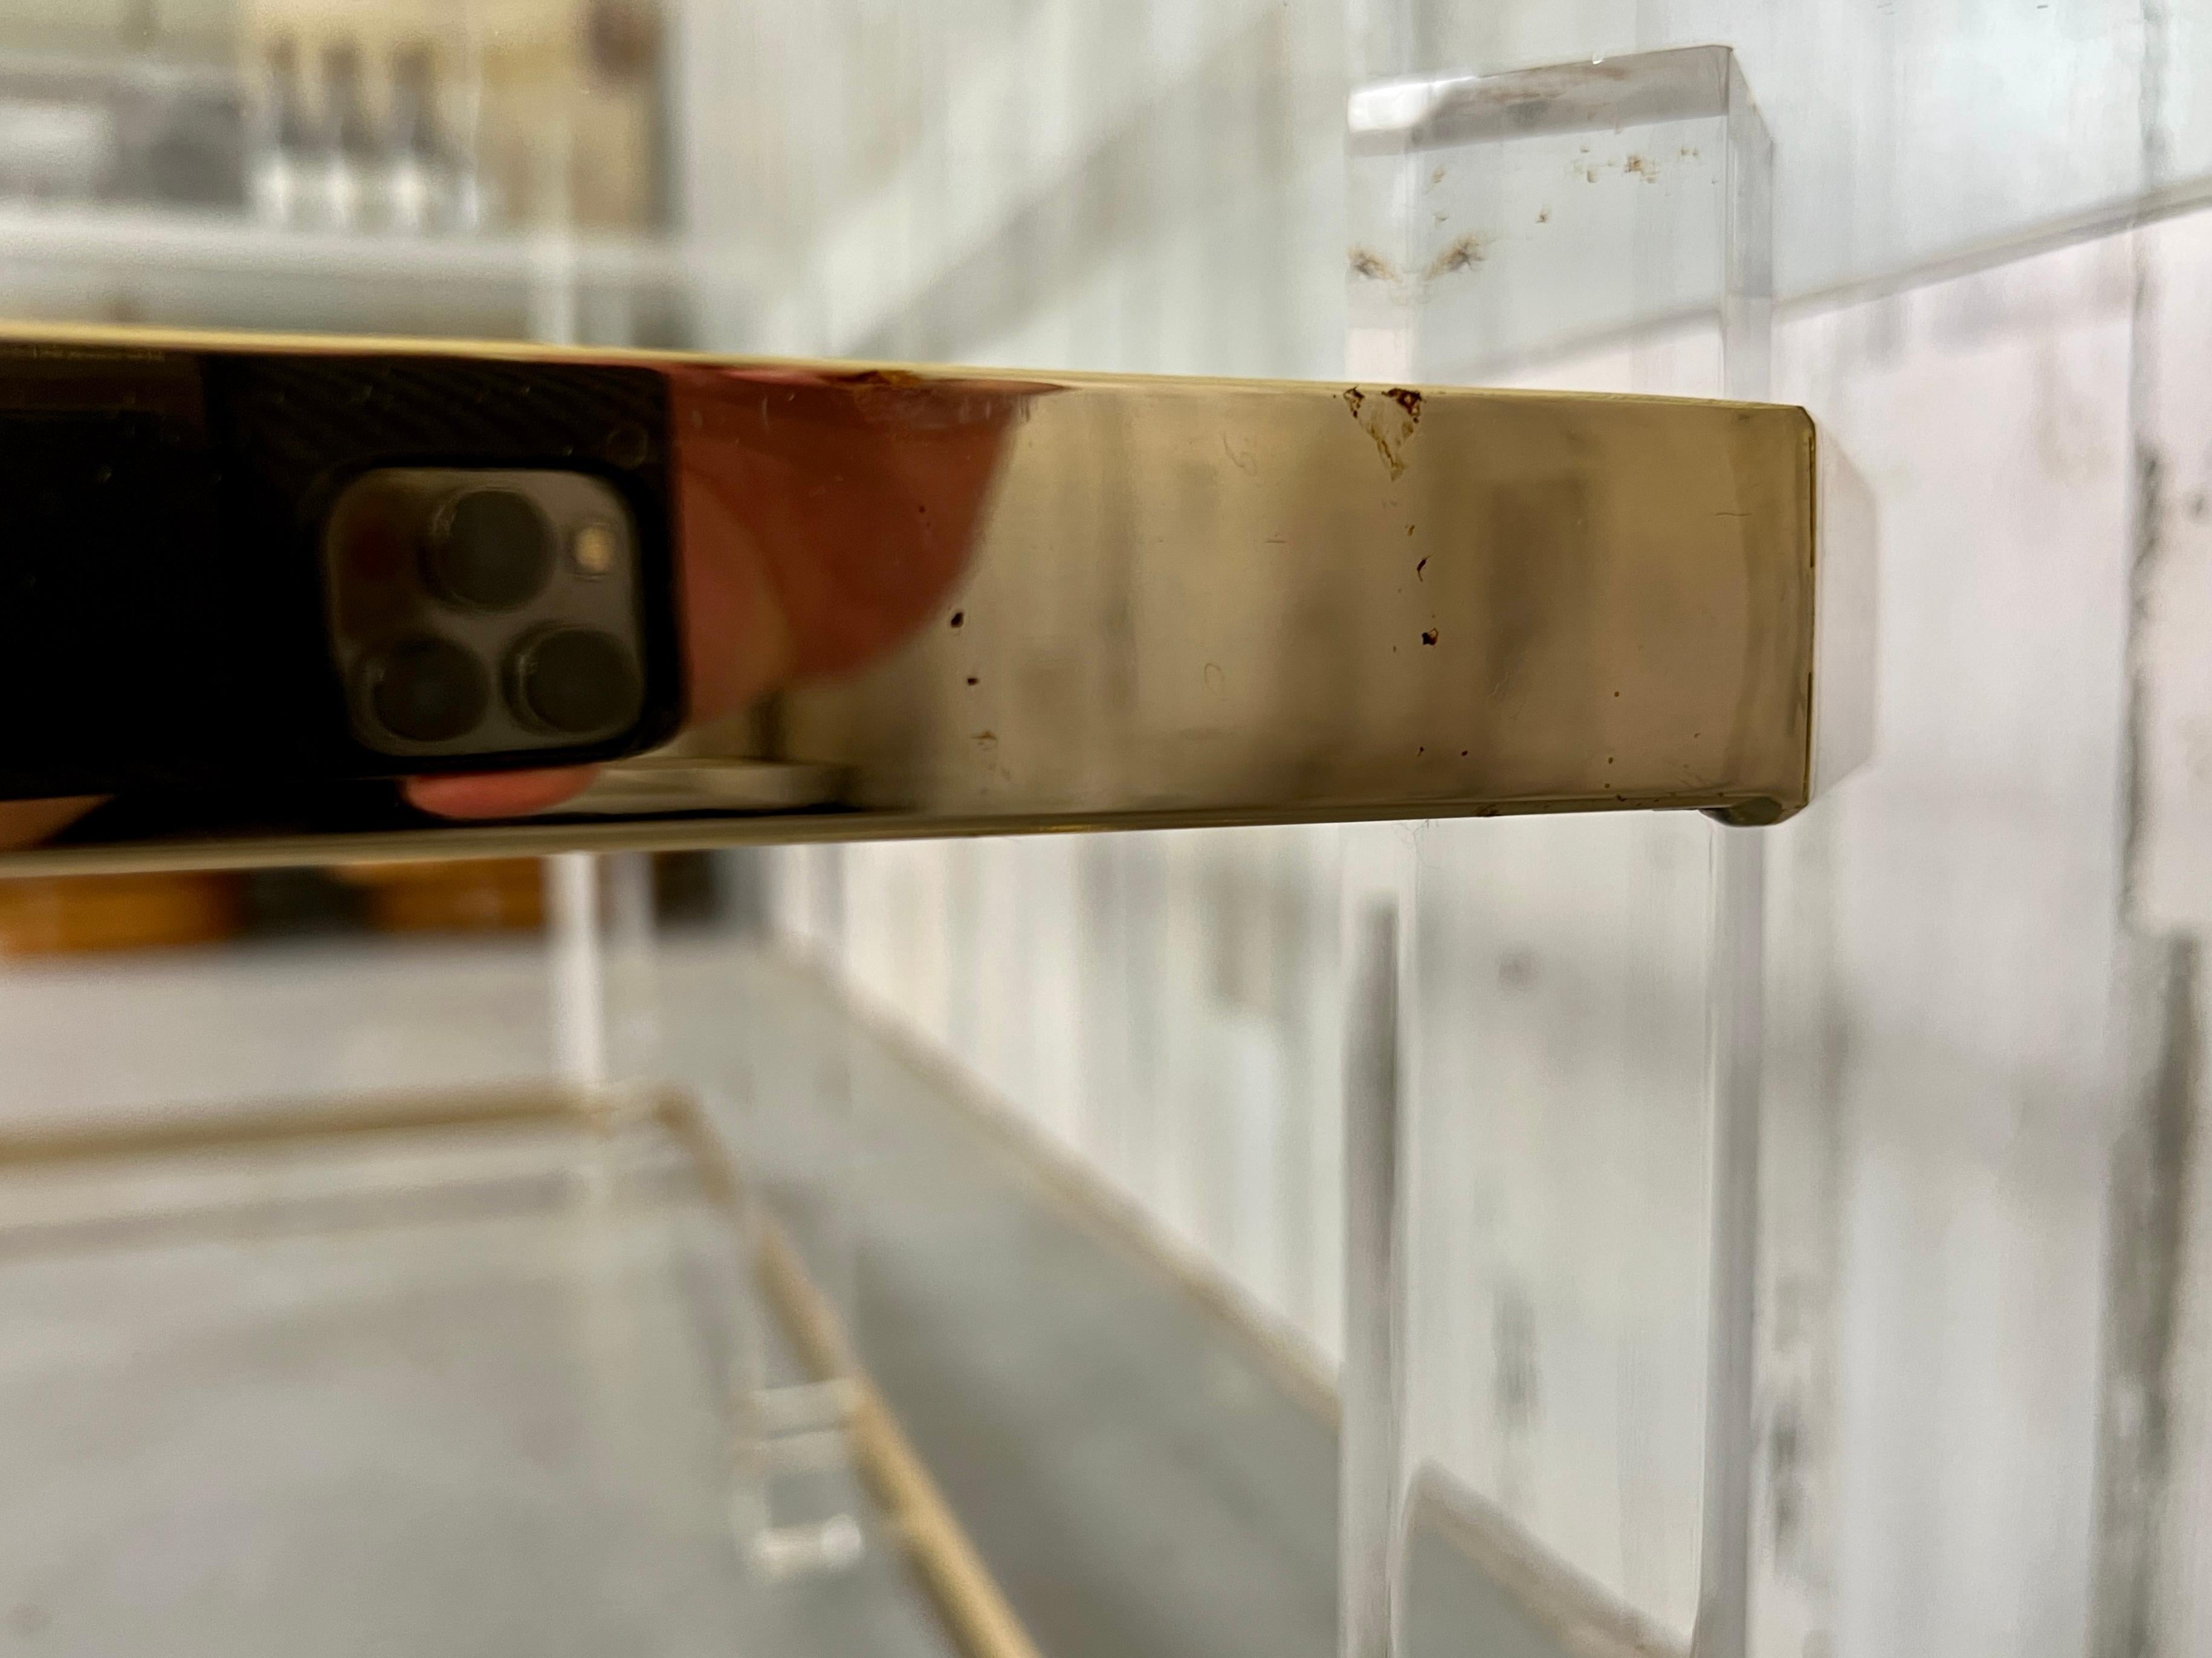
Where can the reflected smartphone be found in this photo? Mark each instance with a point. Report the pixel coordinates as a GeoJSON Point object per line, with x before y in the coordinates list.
{"type": "Point", "coordinates": [235, 566]}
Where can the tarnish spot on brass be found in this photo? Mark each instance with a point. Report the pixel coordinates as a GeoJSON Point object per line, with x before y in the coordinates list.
{"type": "Point", "coordinates": [1388, 421]}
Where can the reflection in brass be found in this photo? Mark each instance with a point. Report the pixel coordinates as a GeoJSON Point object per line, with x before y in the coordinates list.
{"type": "Point", "coordinates": [1236, 602]}
{"type": "Point", "coordinates": [1213, 602]}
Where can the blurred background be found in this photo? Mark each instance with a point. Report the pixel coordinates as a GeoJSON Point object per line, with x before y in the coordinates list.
{"type": "Point", "coordinates": [1058, 1124]}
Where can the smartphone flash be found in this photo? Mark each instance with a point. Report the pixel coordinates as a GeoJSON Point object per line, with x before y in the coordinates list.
{"type": "Point", "coordinates": [593, 550]}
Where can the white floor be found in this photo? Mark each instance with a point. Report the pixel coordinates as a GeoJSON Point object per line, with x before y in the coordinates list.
{"type": "Point", "coordinates": [446, 1394]}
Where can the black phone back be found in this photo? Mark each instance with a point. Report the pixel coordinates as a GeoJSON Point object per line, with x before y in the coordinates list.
{"type": "Point", "coordinates": [163, 619]}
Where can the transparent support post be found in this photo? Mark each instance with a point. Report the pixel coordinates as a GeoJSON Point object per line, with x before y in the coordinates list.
{"type": "Point", "coordinates": [1736, 1018]}
{"type": "Point", "coordinates": [793, 1507]}
{"type": "Point", "coordinates": [572, 879]}
{"type": "Point", "coordinates": [578, 979]}
{"type": "Point", "coordinates": [1737, 976]}
{"type": "Point", "coordinates": [1371, 1484]}
{"type": "Point", "coordinates": [555, 289]}
{"type": "Point", "coordinates": [790, 1436]}
{"type": "Point", "coordinates": [1604, 227]}
{"type": "Point", "coordinates": [556, 310]}
{"type": "Point", "coordinates": [632, 988]}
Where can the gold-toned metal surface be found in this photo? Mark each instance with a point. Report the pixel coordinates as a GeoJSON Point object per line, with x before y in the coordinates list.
{"type": "Point", "coordinates": [1241, 602]}
{"type": "Point", "coordinates": [1181, 602]}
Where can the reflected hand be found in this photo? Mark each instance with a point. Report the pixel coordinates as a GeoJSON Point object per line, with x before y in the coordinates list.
{"type": "Point", "coordinates": [821, 520]}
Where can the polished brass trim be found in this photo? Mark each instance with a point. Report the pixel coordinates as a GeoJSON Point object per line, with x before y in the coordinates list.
{"type": "Point", "coordinates": [1187, 602]}
{"type": "Point", "coordinates": [285, 1122]}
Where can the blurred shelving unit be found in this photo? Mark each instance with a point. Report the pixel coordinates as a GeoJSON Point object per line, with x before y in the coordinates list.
{"type": "Point", "coordinates": [151, 264]}
{"type": "Point", "coordinates": [497, 169]}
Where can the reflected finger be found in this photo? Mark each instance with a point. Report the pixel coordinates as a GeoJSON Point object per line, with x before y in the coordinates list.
{"type": "Point", "coordinates": [498, 794]}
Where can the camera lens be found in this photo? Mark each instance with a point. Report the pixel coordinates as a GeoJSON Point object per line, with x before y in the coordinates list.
{"type": "Point", "coordinates": [576, 681]}
{"type": "Point", "coordinates": [489, 549]}
{"type": "Point", "coordinates": [427, 690]}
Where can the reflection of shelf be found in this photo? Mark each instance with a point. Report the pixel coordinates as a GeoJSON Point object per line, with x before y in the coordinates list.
{"type": "Point", "coordinates": [153, 240]}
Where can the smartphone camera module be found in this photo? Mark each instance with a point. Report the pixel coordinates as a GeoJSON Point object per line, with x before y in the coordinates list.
{"type": "Point", "coordinates": [484, 614]}
{"type": "Point", "coordinates": [427, 690]}
{"type": "Point", "coordinates": [575, 681]}
{"type": "Point", "coordinates": [489, 549]}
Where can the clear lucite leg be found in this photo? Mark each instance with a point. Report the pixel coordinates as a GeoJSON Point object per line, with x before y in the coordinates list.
{"type": "Point", "coordinates": [793, 1503]}
{"type": "Point", "coordinates": [632, 989]}
{"type": "Point", "coordinates": [1370, 1488]}
{"type": "Point", "coordinates": [1735, 1016]}
{"type": "Point", "coordinates": [1601, 226]}
{"type": "Point", "coordinates": [578, 982]}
